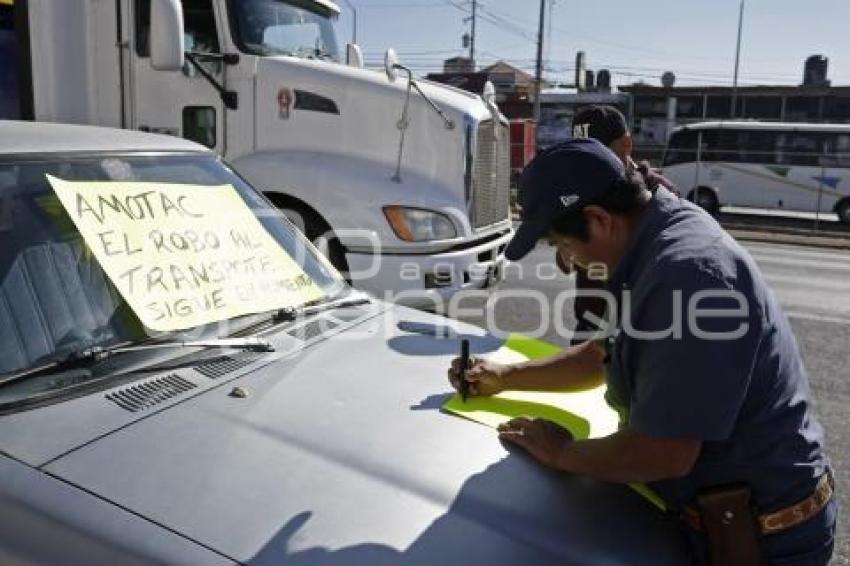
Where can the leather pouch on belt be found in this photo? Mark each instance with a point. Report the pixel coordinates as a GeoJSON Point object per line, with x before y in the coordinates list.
{"type": "Point", "coordinates": [730, 526]}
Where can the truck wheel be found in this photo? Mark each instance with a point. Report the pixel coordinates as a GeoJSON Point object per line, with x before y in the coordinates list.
{"type": "Point", "coordinates": [320, 235]}
{"type": "Point", "coordinates": [843, 211]}
{"type": "Point", "coordinates": [706, 199]}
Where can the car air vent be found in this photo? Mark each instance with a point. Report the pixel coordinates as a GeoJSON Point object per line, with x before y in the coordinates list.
{"type": "Point", "coordinates": [313, 329]}
{"type": "Point", "coordinates": [145, 395]}
{"type": "Point", "coordinates": [223, 365]}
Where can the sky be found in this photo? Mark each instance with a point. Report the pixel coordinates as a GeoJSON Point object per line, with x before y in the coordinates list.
{"type": "Point", "coordinates": [636, 39]}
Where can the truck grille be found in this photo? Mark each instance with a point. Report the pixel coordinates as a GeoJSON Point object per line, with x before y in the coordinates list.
{"type": "Point", "coordinates": [491, 175]}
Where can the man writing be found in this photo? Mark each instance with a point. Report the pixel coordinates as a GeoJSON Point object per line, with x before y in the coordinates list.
{"type": "Point", "coordinates": [701, 365]}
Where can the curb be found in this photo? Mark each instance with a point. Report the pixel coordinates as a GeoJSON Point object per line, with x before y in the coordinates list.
{"type": "Point", "coordinates": [780, 235]}
{"type": "Point", "coordinates": [766, 236]}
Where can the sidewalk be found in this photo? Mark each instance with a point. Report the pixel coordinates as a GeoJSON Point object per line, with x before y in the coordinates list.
{"type": "Point", "coordinates": [812, 241]}
{"type": "Point", "coordinates": [792, 236]}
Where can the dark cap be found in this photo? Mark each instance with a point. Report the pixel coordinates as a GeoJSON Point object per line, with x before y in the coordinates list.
{"type": "Point", "coordinates": [603, 123]}
{"type": "Point", "coordinates": [563, 178]}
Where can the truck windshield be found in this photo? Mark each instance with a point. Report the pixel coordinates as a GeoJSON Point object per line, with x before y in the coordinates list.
{"type": "Point", "coordinates": [58, 290]}
{"type": "Point", "coordinates": [299, 28]}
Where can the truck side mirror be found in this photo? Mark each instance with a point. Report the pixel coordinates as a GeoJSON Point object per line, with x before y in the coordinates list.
{"type": "Point", "coordinates": [489, 94]}
{"type": "Point", "coordinates": [391, 64]}
{"type": "Point", "coordinates": [489, 98]}
{"type": "Point", "coordinates": [354, 55]}
{"type": "Point", "coordinates": [166, 35]}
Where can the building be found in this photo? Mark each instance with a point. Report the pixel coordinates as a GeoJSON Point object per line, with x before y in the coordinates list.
{"type": "Point", "coordinates": [514, 87]}
{"type": "Point", "coordinates": [459, 65]}
{"type": "Point", "coordinates": [470, 82]}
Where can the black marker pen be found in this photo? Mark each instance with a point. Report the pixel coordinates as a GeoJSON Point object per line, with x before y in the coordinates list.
{"type": "Point", "coordinates": [464, 365]}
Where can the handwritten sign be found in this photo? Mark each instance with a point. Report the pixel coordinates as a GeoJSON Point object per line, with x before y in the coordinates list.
{"type": "Point", "coordinates": [184, 255]}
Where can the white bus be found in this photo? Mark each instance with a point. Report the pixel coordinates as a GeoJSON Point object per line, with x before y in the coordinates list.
{"type": "Point", "coordinates": [789, 166]}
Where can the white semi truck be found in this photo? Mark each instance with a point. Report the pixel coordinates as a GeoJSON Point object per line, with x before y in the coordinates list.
{"type": "Point", "coordinates": [406, 182]}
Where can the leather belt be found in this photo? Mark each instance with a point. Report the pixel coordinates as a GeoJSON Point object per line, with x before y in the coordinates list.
{"type": "Point", "coordinates": [786, 518]}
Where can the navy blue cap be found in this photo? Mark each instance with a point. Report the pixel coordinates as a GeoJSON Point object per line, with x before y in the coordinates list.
{"type": "Point", "coordinates": [565, 177]}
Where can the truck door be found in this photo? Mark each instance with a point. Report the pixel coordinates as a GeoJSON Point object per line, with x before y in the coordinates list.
{"type": "Point", "coordinates": [179, 103]}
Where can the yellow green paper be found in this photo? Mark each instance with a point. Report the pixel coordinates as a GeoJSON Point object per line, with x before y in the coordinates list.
{"type": "Point", "coordinates": [585, 414]}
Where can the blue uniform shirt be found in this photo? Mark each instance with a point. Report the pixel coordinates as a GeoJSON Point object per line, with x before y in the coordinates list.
{"type": "Point", "coordinates": [705, 352]}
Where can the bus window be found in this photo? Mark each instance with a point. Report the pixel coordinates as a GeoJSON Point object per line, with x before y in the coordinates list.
{"type": "Point", "coordinates": [837, 149]}
{"type": "Point", "coordinates": [798, 148]}
{"type": "Point", "coordinates": [682, 148]}
{"type": "Point", "coordinates": [722, 145]}
{"type": "Point", "coordinates": [759, 146]}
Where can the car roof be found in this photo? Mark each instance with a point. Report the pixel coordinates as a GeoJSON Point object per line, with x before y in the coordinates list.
{"type": "Point", "coordinates": [18, 138]}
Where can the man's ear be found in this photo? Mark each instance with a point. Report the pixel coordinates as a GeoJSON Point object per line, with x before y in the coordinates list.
{"type": "Point", "coordinates": [600, 223]}
{"type": "Point", "coordinates": [623, 146]}
{"type": "Point", "coordinates": [628, 144]}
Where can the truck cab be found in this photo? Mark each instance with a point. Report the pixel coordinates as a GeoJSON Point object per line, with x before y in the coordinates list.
{"type": "Point", "coordinates": [404, 184]}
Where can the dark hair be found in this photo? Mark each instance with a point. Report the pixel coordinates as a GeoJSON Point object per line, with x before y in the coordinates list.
{"type": "Point", "coordinates": [626, 198]}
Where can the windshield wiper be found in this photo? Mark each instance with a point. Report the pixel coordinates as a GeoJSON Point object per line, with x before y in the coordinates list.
{"type": "Point", "coordinates": [251, 344]}
{"type": "Point", "coordinates": [320, 305]}
{"type": "Point", "coordinates": [90, 356]}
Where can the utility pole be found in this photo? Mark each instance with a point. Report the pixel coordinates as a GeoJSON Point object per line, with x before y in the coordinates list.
{"type": "Point", "coordinates": [472, 39]}
{"type": "Point", "coordinates": [737, 62]}
{"type": "Point", "coordinates": [549, 35]}
{"type": "Point", "coordinates": [538, 78]}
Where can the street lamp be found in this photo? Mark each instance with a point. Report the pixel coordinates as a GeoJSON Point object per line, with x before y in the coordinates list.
{"type": "Point", "coordinates": [354, 12]}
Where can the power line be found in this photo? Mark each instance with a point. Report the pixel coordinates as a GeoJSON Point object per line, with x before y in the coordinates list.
{"type": "Point", "coordinates": [487, 15]}
{"type": "Point", "coordinates": [398, 5]}
{"type": "Point", "coordinates": [431, 65]}
{"type": "Point", "coordinates": [617, 45]}
{"type": "Point", "coordinates": [506, 25]}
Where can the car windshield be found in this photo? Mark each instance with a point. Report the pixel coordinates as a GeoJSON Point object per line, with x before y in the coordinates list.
{"type": "Point", "coordinates": [59, 288]}
{"type": "Point", "coordinates": [296, 28]}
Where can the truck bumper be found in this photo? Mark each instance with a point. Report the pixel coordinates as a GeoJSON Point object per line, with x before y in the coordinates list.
{"type": "Point", "coordinates": [429, 281]}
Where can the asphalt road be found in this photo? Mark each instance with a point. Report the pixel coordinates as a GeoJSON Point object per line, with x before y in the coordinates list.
{"type": "Point", "coordinates": [813, 285]}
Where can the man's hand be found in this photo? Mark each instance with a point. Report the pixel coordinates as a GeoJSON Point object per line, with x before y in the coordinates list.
{"type": "Point", "coordinates": [484, 378]}
{"type": "Point", "coordinates": [543, 439]}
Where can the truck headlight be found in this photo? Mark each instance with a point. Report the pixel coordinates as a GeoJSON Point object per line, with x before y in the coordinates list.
{"type": "Point", "coordinates": [418, 225]}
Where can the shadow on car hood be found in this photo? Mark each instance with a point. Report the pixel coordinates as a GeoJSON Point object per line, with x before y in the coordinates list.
{"type": "Point", "coordinates": [340, 455]}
